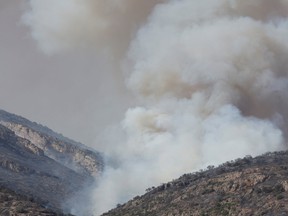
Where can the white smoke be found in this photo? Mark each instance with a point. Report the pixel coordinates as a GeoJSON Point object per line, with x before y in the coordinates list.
{"type": "Point", "coordinates": [69, 24]}
{"type": "Point", "coordinates": [210, 75]}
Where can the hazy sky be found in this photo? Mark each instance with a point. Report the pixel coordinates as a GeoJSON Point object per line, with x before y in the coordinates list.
{"type": "Point", "coordinates": [73, 93]}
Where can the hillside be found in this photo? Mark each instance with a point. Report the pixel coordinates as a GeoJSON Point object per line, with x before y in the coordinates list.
{"type": "Point", "coordinates": [21, 205]}
{"type": "Point", "coordinates": [37, 163]}
{"type": "Point", "coordinates": [249, 186]}
{"type": "Point", "coordinates": [72, 154]}
{"type": "Point", "coordinates": [40, 170]}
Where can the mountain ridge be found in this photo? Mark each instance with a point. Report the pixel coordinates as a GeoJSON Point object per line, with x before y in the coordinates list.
{"type": "Point", "coordinates": [78, 157]}
{"type": "Point", "coordinates": [37, 162]}
{"type": "Point", "coordinates": [248, 186]}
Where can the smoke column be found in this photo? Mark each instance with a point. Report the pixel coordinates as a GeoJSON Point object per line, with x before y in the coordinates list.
{"type": "Point", "coordinates": [210, 77]}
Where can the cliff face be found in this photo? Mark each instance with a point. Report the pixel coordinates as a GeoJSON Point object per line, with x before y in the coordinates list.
{"type": "Point", "coordinates": [39, 163]}
{"type": "Point", "coordinates": [57, 147]}
{"type": "Point", "coordinates": [249, 186]}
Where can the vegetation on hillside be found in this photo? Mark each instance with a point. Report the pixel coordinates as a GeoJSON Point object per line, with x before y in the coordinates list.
{"type": "Point", "coordinates": [248, 186]}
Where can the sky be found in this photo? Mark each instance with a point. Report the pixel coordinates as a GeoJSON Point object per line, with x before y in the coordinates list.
{"type": "Point", "coordinates": [73, 93]}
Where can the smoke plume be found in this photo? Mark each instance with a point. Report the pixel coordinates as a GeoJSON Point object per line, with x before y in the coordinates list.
{"type": "Point", "coordinates": [210, 77]}
{"type": "Point", "coordinates": [70, 24]}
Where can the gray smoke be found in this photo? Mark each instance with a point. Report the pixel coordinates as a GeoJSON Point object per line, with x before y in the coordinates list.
{"type": "Point", "coordinates": [210, 77]}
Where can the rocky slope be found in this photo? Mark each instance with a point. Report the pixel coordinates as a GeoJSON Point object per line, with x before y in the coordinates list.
{"type": "Point", "coordinates": [249, 186]}
{"type": "Point", "coordinates": [20, 205]}
{"type": "Point", "coordinates": [39, 163]}
{"type": "Point", "coordinates": [45, 141]}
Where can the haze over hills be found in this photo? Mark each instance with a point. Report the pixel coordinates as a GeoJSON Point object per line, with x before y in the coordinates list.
{"type": "Point", "coordinates": [41, 165]}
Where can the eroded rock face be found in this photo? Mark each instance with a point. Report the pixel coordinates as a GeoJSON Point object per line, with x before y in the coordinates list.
{"type": "Point", "coordinates": [249, 186]}
{"type": "Point", "coordinates": [44, 141]}
{"type": "Point", "coordinates": [39, 163]}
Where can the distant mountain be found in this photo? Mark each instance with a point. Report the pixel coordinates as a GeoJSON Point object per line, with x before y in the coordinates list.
{"type": "Point", "coordinates": [42, 165]}
{"type": "Point", "coordinates": [249, 186]}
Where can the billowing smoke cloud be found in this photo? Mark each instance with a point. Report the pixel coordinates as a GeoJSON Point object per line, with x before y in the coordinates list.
{"type": "Point", "coordinates": [69, 24]}
{"type": "Point", "coordinates": [210, 75]}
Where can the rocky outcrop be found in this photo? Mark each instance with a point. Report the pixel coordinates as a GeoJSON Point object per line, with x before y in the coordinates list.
{"type": "Point", "coordinates": [44, 141]}
{"type": "Point", "coordinates": [249, 186]}
{"type": "Point", "coordinates": [39, 163]}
